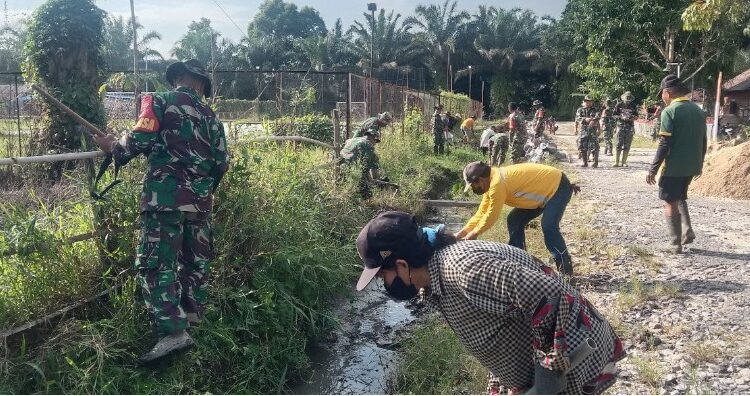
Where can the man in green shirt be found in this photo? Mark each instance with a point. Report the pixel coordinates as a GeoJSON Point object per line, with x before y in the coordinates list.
{"type": "Point", "coordinates": [682, 148]}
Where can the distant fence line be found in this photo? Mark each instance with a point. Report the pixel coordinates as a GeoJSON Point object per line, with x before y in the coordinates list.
{"type": "Point", "coordinates": [251, 96]}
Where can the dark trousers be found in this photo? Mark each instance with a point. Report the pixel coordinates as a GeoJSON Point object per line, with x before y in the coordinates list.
{"type": "Point", "coordinates": [439, 147]}
{"type": "Point", "coordinates": [552, 214]}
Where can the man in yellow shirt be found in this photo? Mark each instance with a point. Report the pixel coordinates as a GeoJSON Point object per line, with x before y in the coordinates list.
{"type": "Point", "coordinates": [531, 190]}
{"type": "Point", "coordinates": [467, 127]}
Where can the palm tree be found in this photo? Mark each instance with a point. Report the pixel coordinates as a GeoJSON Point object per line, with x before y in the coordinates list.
{"type": "Point", "coordinates": [118, 43]}
{"type": "Point", "coordinates": [394, 44]}
{"type": "Point", "coordinates": [441, 26]}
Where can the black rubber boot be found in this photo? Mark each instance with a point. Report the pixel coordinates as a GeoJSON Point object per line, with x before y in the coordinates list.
{"type": "Point", "coordinates": [687, 227]}
{"type": "Point", "coordinates": [674, 224]}
{"type": "Point", "coordinates": [564, 264]}
{"type": "Point", "coordinates": [585, 158]}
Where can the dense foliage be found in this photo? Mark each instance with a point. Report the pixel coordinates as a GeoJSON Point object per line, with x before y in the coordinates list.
{"type": "Point", "coordinates": [71, 69]}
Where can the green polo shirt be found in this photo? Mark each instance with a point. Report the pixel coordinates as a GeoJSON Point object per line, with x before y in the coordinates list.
{"type": "Point", "coordinates": [685, 123]}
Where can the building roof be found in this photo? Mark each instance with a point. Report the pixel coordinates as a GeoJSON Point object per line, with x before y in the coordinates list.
{"type": "Point", "coordinates": [740, 82]}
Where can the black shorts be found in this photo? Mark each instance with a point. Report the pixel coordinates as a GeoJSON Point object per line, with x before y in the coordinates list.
{"type": "Point", "coordinates": [674, 188]}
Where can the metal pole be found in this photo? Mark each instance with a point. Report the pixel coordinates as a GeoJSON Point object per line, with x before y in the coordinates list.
{"type": "Point", "coordinates": [348, 105]}
{"type": "Point", "coordinates": [372, 55]}
{"type": "Point", "coordinates": [18, 113]}
{"type": "Point", "coordinates": [469, 82]}
{"type": "Point", "coordinates": [482, 98]}
{"type": "Point", "coordinates": [136, 82]}
{"type": "Point", "coordinates": [715, 129]}
{"type": "Point", "coordinates": [213, 68]}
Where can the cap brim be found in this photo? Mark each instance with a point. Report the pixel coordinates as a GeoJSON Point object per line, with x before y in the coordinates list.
{"type": "Point", "coordinates": [368, 274]}
{"type": "Point", "coordinates": [467, 188]}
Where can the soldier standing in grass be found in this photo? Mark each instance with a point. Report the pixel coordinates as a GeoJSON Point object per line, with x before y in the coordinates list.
{"type": "Point", "coordinates": [518, 137]}
{"type": "Point", "coordinates": [374, 124]}
{"type": "Point", "coordinates": [360, 151]}
{"type": "Point", "coordinates": [588, 140]}
{"type": "Point", "coordinates": [608, 123]}
{"type": "Point", "coordinates": [186, 150]}
{"type": "Point", "coordinates": [438, 130]}
{"type": "Point", "coordinates": [538, 124]}
{"type": "Point", "coordinates": [625, 112]}
{"type": "Point", "coordinates": [682, 149]}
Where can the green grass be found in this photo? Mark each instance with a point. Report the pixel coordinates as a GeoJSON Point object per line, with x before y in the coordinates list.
{"type": "Point", "coordinates": [437, 364]}
{"type": "Point", "coordinates": [643, 142]}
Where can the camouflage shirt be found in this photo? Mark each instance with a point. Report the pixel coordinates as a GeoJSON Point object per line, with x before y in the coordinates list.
{"type": "Point", "coordinates": [438, 124]}
{"type": "Point", "coordinates": [359, 149]}
{"type": "Point", "coordinates": [626, 113]}
{"type": "Point", "coordinates": [585, 112]}
{"type": "Point", "coordinates": [185, 147]}
{"type": "Point", "coordinates": [370, 124]}
{"type": "Point", "coordinates": [608, 119]}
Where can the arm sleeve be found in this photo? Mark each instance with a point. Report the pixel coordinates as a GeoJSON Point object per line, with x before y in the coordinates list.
{"type": "Point", "coordinates": [479, 213]}
{"type": "Point", "coordinates": [661, 154]}
{"type": "Point", "coordinates": [495, 200]}
{"type": "Point", "coordinates": [221, 157]}
{"type": "Point", "coordinates": [145, 133]}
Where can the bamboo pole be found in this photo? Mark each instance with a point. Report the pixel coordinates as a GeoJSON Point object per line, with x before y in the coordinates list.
{"type": "Point", "coordinates": [290, 139]}
{"type": "Point", "coordinates": [51, 158]}
{"type": "Point", "coordinates": [92, 129]}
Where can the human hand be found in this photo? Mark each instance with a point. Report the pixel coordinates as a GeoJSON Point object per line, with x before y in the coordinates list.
{"type": "Point", "coordinates": [651, 179]}
{"type": "Point", "coordinates": [106, 142]}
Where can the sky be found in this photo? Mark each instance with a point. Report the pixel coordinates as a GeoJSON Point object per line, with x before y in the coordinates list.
{"type": "Point", "coordinates": [171, 17]}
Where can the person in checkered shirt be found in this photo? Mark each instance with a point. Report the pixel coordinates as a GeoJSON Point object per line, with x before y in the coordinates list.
{"type": "Point", "coordinates": [516, 315]}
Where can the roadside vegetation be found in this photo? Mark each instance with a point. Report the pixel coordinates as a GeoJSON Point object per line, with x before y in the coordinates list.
{"type": "Point", "coordinates": [284, 230]}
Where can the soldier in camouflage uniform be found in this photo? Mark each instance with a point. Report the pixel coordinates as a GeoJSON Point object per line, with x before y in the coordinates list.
{"type": "Point", "coordinates": [438, 130]}
{"type": "Point", "coordinates": [625, 112]}
{"type": "Point", "coordinates": [187, 157]}
{"type": "Point", "coordinates": [374, 124]}
{"type": "Point", "coordinates": [538, 124]}
{"type": "Point", "coordinates": [360, 152]}
{"type": "Point", "coordinates": [608, 124]}
{"type": "Point", "coordinates": [518, 137]}
{"type": "Point", "coordinates": [587, 120]}
{"type": "Point", "coordinates": [498, 146]}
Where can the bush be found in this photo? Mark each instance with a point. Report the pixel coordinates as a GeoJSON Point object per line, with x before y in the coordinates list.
{"type": "Point", "coordinates": [313, 126]}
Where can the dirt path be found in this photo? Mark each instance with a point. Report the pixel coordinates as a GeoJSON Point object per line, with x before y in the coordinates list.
{"type": "Point", "coordinates": [684, 318]}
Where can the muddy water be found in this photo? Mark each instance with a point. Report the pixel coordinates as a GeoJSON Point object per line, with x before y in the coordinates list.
{"type": "Point", "coordinates": [362, 358]}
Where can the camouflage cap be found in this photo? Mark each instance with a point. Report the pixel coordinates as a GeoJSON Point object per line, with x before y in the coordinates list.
{"type": "Point", "coordinates": [588, 98]}
{"type": "Point", "coordinates": [193, 67]}
{"type": "Point", "coordinates": [536, 102]}
{"type": "Point", "coordinates": [385, 117]}
{"type": "Point", "coordinates": [627, 96]}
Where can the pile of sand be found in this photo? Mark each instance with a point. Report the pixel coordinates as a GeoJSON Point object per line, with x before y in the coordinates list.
{"type": "Point", "coordinates": [726, 173]}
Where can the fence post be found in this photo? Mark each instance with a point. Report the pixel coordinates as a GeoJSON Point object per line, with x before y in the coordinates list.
{"type": "Point", "coordinates": [348, 105]}
{"type": "Point", "coordinates": [18, 116]}
{"type": "Point", "coordinates": [336, 135]}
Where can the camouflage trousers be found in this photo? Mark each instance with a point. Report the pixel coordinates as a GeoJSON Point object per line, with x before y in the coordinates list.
{"type": "Point", "coordinates": [499, 150]}
{"type": "Point", "coordinates": [517, 152]}
{"type": "Point", "coordinates": [625, 137]}
{"type": "Point", "coordinates": [608, 135]}
{"type": "Point", "coordinates": [173, 260]}
{"type": "Point", "coordinates": [439, 147]}
{"type": "Point", "coordinates": [588, 141]}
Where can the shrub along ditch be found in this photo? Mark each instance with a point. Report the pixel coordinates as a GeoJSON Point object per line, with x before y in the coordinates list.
{"type": "Point", "coordinates": [284, 232]}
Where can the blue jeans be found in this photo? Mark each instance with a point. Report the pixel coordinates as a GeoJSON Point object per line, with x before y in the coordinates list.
{"type": "Point", "coordinates": [552, 214]}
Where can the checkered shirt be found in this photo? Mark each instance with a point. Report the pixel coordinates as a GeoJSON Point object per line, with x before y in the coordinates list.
{"type": "Point", "coordinates": [511, 312]}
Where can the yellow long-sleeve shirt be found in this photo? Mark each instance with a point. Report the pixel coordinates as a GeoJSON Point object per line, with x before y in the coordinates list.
{"type": "Point", "coordinates": [525, 186]}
